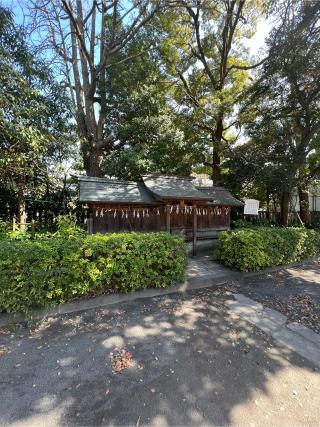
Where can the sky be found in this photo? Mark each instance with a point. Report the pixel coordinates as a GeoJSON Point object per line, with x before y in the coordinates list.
{"type": "Point", "coordinates": [16, 7]}
{"type": "Point", "coordinates": [255, 44]}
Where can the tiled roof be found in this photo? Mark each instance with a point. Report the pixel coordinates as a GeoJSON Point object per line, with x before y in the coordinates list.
{"type": "Point", "coordinates": [106, 190]}
{"type": "Point", "coordinates": [153, 187]}
{"type": "Point", "coordinates": [221, 196]}
{"type": "Point", "coordinates": [173, 187]}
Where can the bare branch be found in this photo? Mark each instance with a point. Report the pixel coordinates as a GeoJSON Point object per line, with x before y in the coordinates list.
{"type": "Point", "coordinates": [78, 32]}
{"type": "Point", "coordinates": [248, 67]}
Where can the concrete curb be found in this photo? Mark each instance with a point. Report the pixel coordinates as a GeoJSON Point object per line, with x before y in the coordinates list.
{"type": "Point", "coordinates": [111, 299]}
{"type": "Point", "coordinates": [203, 281]}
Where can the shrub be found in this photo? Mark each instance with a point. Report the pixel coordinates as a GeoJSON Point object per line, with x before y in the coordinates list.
{"type": "Point", "coordinates": [51, 270]}
{"type": "Point", "coordinates": [4, 226]}
{"type": "Point", "coordinates": [257, 248]}
{"type": "Point", "coordinates": [257, 222]}
{"type": "Point", "coordinates": [316, 224]}
{"type": "Point", "coordinates": [67, 227]}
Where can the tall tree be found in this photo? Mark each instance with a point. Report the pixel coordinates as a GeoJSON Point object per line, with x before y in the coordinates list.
{"type": "Point", "coordinates": [141, 117]}
{"type": "Point", "coordinates": [86, 36]}
{"type": "Point", "coordinates": [33, 111]}
{"type": "Point", "coordinates": [252, 171]}
{"type": "Point", "coordinates": [205, 55]}
{"type": "Point", "coordinates": [286, 98]}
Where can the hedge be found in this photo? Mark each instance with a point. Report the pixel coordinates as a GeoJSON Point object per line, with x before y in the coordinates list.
{"type": "Point", "coordinates": [262, 247]}
{"type": "Point", "coordinates": [52, 270]}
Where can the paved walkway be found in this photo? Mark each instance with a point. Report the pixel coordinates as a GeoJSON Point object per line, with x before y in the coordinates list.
{"type": "Point", "coordinates": [294, 291]}
{"type": "Point", "coordinates": [193, 359]}
{"type": "Point", "coordinates": [295, 336]}
{"type": "Point", "coordinates": [205, 267]}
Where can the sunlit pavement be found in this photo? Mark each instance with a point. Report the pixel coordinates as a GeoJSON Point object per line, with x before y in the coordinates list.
{"type": "Point", "coordinates": [187, 360]}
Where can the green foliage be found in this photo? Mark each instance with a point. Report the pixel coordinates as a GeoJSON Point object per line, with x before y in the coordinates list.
{"type": "Point", "coordinates": [35, 130]}
{"type": "Point", "coordinates": [4, 227]}
{"type": "Point", "coordinates": [140, 118]}
{"type": "Point", "coordinates": [33, 106]}
{"type": "Point", "coordinates": [204, 56]}
{"type": "Point", "coordinates": [52, 270]}
{"type": "Point", "coordinates": [254, 170]}
{"type": "Point", "coordinates": [67, 227]}
{"type": "Point", "coordinates": [17, 234]}
{"type": "Point", "coordinates": [281, 111]}
{"type": "Point", "coordinates": [316, 224]}
{"type": "Point", "coordinates": [259, 222]}
{"type": "Point", "coordinates": [254, 249]}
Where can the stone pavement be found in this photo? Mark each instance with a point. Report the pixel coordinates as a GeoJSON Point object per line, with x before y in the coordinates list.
{"type": "Point", "coordinates": [205, 267]}
{"type": "Point", "coordinates": [295, 336]}
{"type": "Point", "coordinates": [295, 291]}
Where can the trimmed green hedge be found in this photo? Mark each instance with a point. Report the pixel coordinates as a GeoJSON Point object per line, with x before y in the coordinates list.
{"type": "Point", "coordinates": [51, 270]}
{"type": "Point", "coordinates": [262, 247]}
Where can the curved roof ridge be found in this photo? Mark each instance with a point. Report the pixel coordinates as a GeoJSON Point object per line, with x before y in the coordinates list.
{"type": "Point", "coordinates": [159, 175]}
{"type": "Point", "coordinates": [105, 179]}
{"type": "Point", "coordinates": [171, 187]}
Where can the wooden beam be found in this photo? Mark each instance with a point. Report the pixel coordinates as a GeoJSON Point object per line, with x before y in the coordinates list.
{"type": "Point", "coordinates": [194, 229]}
{"type": "Point", "coordinates": [168, 218]}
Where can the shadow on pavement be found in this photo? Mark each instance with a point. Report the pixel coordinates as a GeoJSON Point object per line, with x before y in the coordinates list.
{"type": "Point", "coordinates": [294, 291]}
{"type": "Point", "coordinates": [192, 364]}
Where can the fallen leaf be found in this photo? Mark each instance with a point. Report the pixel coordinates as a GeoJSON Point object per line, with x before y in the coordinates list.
{"type": "Point", "coordinates": [120, 360]}
{"type": "Point", "coordinates": [4, 350]}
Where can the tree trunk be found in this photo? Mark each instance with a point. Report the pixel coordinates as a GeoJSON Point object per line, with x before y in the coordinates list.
{"type": "Point", "coordinates": [304, 206]}
{"type": "Point", "coordinates": [95, 161]}
{"type": "Point", "coordinates": [285, 203]}
{"type": "Point", "coordinates": [21, 200]}
{"type": "Point", "coordinates": [216, 149]}
{"type": "Point", "coordinates": [216, 168]}
{"type": "Point", "coordinates": [268, 206]}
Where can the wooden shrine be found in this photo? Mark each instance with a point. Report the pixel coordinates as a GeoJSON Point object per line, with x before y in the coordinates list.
{"type": "Point", "coordinates": [156, 203]}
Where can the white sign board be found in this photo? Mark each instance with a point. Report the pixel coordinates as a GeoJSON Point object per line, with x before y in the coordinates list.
{"type": "Point", "coordinates": [251, 207]}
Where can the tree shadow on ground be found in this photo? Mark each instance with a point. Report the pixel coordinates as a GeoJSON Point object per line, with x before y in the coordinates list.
{"type": "Point", "coordinates": [193, 364]}
{"type": "Point", "coordinates": [294, 291]}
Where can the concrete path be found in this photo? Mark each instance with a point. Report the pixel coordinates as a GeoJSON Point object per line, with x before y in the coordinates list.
{"type": "Point", "coordinates": [205, 267]}
{"type": "Point", "coordinates": [295, 336]}
{"type": "Point", "coordinates": [193, 359]}
{"type": "Point", "coordinates": [294, 291]}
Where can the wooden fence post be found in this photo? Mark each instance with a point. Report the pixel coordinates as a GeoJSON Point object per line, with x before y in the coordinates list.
{"type": "Point", "coordinates": [194, 227]}
{"type": "Point", "coordinates": [90, 224]}
{"type": "Point", "coordinates": [168, 218]}
{"type": "Point", "coordinates": [14, 221]}
{"type": "Point", "coordinates": [32, 228]}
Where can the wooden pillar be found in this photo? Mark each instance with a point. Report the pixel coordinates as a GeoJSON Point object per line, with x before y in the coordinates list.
{"type": "Point", "coordinates": [21, 200]}
{"type": "Point", "coordinates": [33, 230]}
{"type": "Point", "coordinates": [194, 229]}
{"type": "Point", "coordinates": [168, 218]}
{"type": "Point", "coordinates": [90, 223]}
